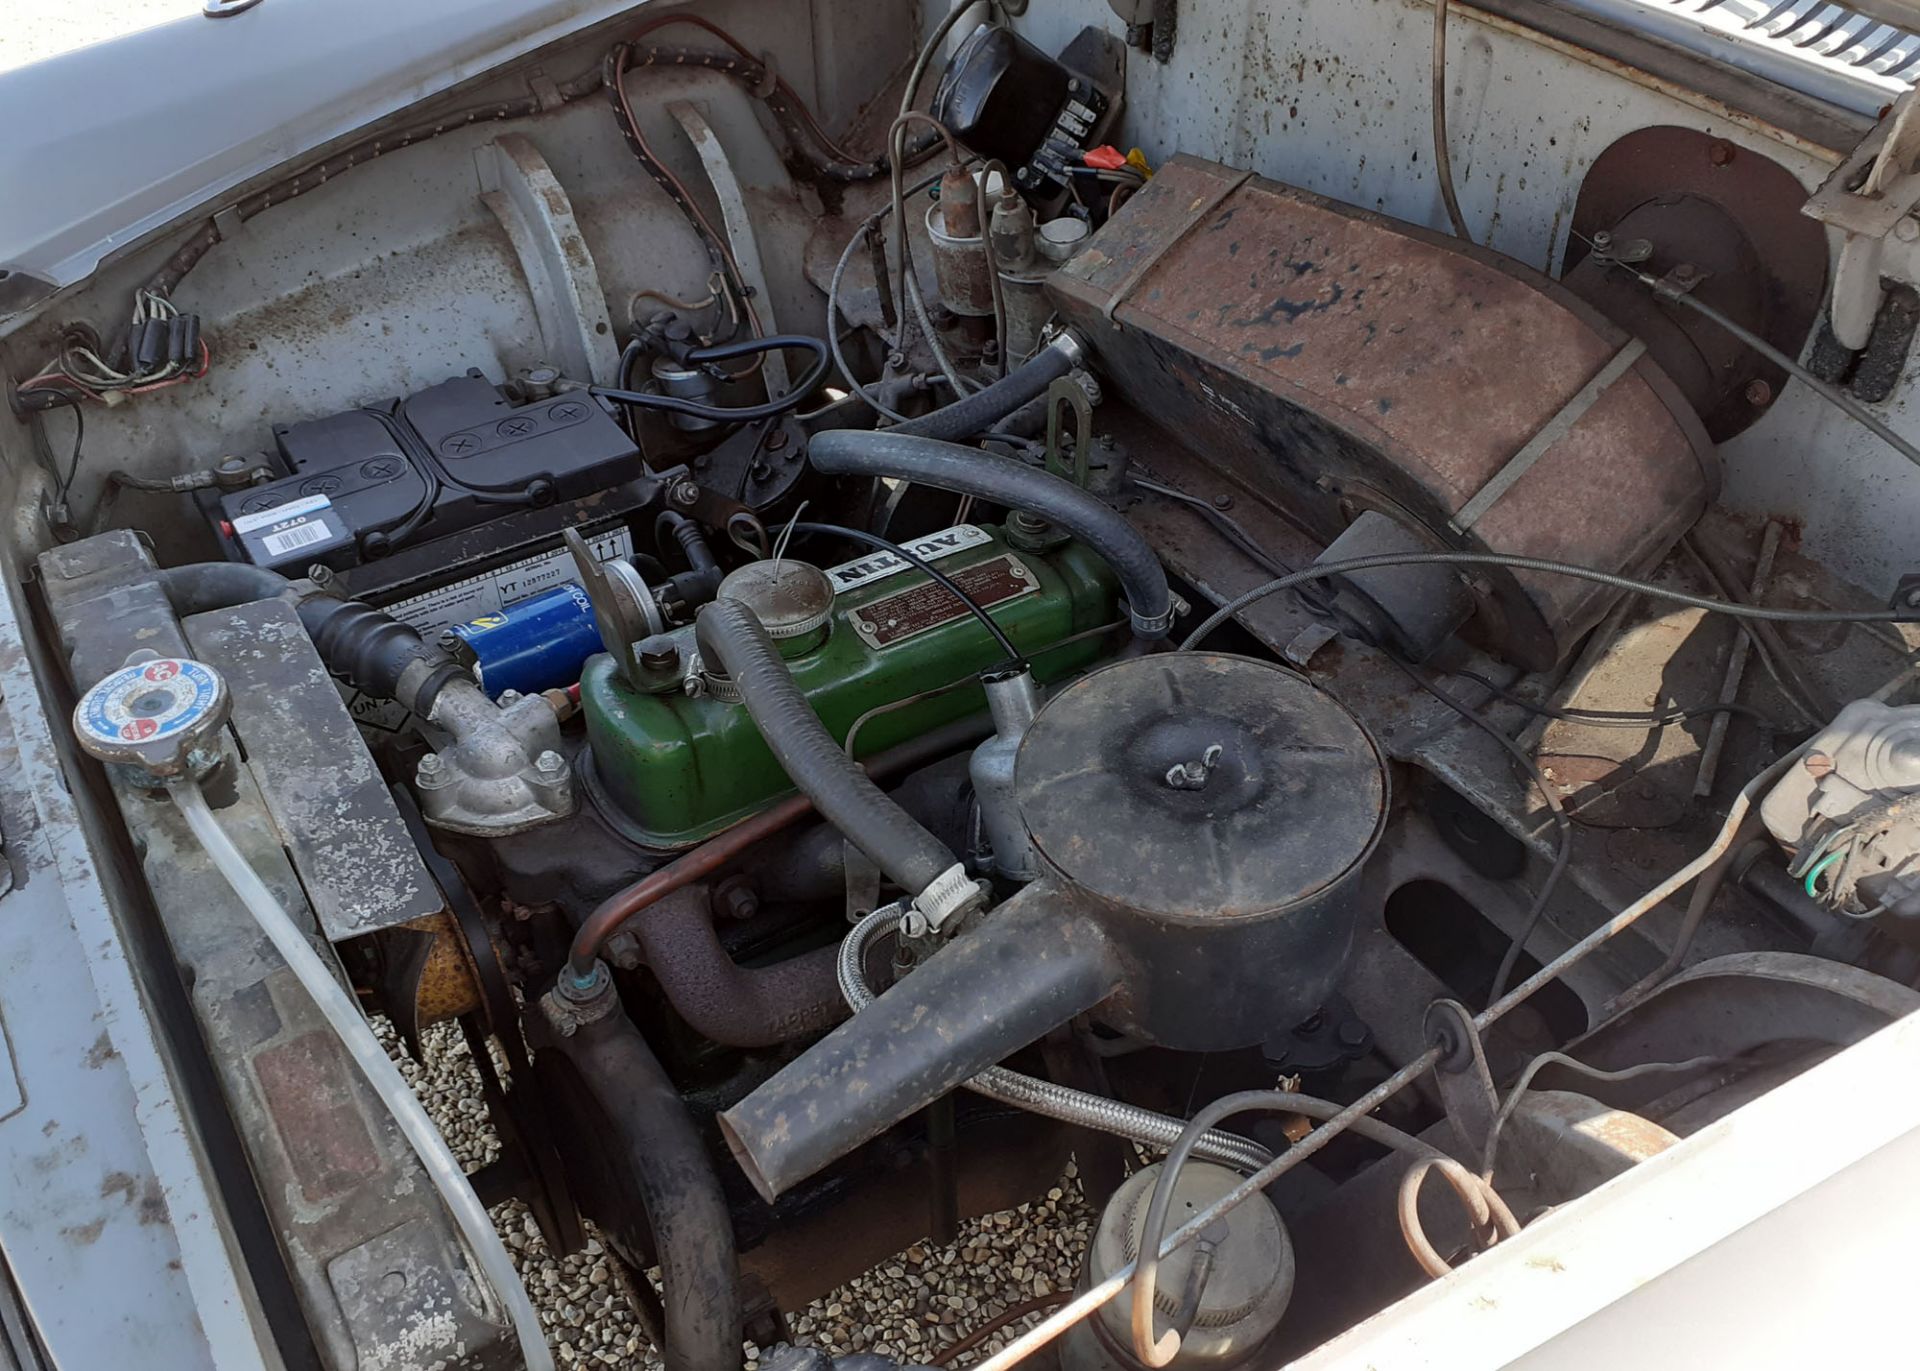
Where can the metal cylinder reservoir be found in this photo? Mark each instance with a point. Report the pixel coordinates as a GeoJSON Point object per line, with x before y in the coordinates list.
{"type": "Point", "coordinates": [1200, 822]}
{"type": "Point", "coordinates": [962, 267]}
{"type": "Point", "coordinates": [1211, 812]}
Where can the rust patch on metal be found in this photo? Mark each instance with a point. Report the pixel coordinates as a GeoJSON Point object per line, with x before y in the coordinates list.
{"type": "Point", "coordinates": [310, 1096]}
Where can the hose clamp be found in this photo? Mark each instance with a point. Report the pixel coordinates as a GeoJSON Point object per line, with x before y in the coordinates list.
{"type": "Point", "coordinates": [1067, 343]}
{"type": "Point", "coordinates": [703, 682]}
{"type": "Point", "coordinates": [946, 895]}
{"type": "Point", "coordinates": [1157, 625]}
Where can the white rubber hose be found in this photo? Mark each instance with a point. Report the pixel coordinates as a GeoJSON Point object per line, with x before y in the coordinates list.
{"type": "Point", "coordinates": [344, 1016]}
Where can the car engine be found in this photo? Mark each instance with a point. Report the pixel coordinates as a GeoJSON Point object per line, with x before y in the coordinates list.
{"type": "Point", "coordinates": [852, 671]}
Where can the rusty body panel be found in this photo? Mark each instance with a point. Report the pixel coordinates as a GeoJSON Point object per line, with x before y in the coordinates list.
{"type": "Point", "coordinates": [1337, 361]}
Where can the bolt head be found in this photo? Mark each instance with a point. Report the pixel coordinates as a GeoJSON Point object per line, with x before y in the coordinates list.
{"type": "Point", "coordinates": [659, 653]}
{"type": "Point", "coordinates": [1720, 152]}
{"type": "Point", "coordinates": [1223, 501]}
{"type": "Point", "coordinates": [685, 492]}
{"type": "Point", "coordinates": [431, 765]}
{"type": "Point", "coordinates": [1759, 393]}
{"type": "Point", "coordinates": [1907, 230]}
{"type": "Point", "coordinates": [550, 762]}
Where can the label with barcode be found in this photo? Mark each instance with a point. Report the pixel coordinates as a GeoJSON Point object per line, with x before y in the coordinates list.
{"type": "Point", "coordinates": [275, 514]}
{"type": "Point", "coordinates": [283, 541]}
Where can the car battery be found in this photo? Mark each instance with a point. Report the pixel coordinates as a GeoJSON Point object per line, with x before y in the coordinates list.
{"type": "Point", "coordinates": [370, 482]}
{"type": "Point", "coordinates": [444, 508]}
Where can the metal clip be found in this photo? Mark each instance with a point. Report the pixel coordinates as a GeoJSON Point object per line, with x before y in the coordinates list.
{"type": "Point", "coordinates": [1466, 1085]}
{"type": "Point", "coordinates": [1064, 391]}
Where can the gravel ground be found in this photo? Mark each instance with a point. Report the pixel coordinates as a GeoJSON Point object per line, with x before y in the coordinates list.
{"type": "Point", "coordinates": [908, 1307]}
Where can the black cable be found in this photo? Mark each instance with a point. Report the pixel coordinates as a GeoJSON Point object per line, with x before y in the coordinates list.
{"type": "Point", "coordinates": [79, 436]}
{"type": "Point", "coordinates": [919, 563]}
{"type": "Point", "coordinates": [63, 485]}
{"type": "Point", "coordinates": [722, 352]}
{"type": "Point", "coordinates": [1562, 855]}
{"type": "Point", "coordinates": [1622, 718]}
{"type": "Point", "coordinates": [1322, 570]}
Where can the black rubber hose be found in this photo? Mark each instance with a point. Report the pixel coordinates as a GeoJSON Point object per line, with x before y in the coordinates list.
{"type": "Point", "coordinates": [374, 651]}
{"type": "Point", "coordinates": [200, 586]}
{"type": "Point", "coordinates": [984, 408]}
{"type": "Point", "coordinates": [700, 583]}
{"type": "Point", "coordinates": [660, 1151]}
{"type": "Point", "coordinates": [368, 646]}
{"type": "Point", "coordinates": [730, 636]}
{"type": "Point", "coordinates": [967, 471]}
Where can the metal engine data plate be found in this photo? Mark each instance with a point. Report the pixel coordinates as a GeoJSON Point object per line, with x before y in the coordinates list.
{"type": "Point", "coordinates": [925, 607]}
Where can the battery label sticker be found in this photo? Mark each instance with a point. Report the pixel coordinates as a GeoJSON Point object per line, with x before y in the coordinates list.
{"type": "Point", "coordinates": [863, 571]}
{"type": "Point", "coordinates": [292, 509]}
{"type": "Point", "coordinates": [492, 591]}
{"type": "Point", "coordinates": [284, 540]}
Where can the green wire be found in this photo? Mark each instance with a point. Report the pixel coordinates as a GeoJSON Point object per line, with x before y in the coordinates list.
{"type": "Point", "coordinates": [1819, 868]}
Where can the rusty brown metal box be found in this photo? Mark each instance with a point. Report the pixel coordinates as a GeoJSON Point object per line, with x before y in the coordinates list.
{"type": "Point", "coordinates": [1332, 360]}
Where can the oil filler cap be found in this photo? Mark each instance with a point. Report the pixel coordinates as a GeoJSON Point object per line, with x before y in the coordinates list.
{"type": "Point", "coordinates": [156, 716]}
{"type": "Point", "coordinates": [793, 600]}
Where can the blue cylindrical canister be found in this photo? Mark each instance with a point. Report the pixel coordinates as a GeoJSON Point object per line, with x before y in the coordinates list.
{"type": "Point", "coordinates": [539, 643]}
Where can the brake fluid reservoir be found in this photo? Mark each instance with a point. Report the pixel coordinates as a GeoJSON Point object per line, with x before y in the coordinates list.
{"type": "Point", "coordinates": [671, 767]}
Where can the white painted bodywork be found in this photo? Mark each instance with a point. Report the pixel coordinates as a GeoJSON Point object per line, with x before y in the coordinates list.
{"type": "Point", "coordinates": [1773, 1239]}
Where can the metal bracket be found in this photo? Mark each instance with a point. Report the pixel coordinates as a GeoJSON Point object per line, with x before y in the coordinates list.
{"type": "Point", "coordinates": [1466, 1085]}
{"type": "Point", "coordinates": [862, 877]}
{"type": "Point", "coordinates": [1549, 433]}
{"type": "Point", "coordinates": [545, 90]}
{"type": "Point", "coordinates": [737, 223]}
{"type": "Point", "coordinates": [623, 606]}
{"type": "Point", "coordinates": [518, 186]}
{"type": "Point", "coordinates": [1867, 197]}
{"type": "Point", "coordinates": [1065, 391]}
{"type": "Point", "coordinates": [227, 222]}
{"type": "Point", "coordinates": [1632, 252]}
{"type": "Point", "coordinates": [1197, 213]}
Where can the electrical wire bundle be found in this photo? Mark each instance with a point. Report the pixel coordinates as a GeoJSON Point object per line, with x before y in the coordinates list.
{"type": "Point", "coordinates": [1832, 862]}
{"type": "Point", "coordinates": [163, 348]}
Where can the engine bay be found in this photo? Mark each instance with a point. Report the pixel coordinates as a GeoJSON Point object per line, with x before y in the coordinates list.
{"type": "Point", "coordinates": [860, 670]}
